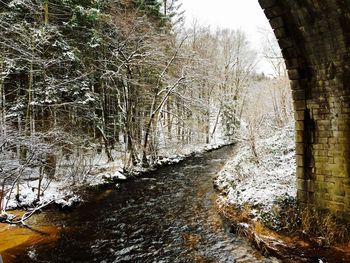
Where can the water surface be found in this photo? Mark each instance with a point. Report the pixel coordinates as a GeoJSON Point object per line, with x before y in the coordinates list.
{"type": "Point", "coordinates": [167, 216]}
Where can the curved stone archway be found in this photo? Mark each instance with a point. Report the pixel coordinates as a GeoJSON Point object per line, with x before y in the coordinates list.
{"type": "Point", "coordinates": [315, 40]}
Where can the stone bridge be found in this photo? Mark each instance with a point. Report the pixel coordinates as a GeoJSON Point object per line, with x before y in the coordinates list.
{"type": "Point", "coordinates": [314, 36]}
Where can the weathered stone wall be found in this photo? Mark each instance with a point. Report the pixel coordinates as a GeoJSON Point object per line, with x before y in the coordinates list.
{"type": "Point", "coordinates": [314, 36]}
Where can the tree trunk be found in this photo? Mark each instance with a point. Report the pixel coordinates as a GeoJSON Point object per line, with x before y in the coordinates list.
{"type": "Point", "coordinates": [169, 120]}
{"type": "Point", "coordinates": [41, 177]}
{"type": "Point", "coordinates": [2, 100]}
{"type": "Point", "coordinates": [46, 12]}
{"type": "Point", "coordinates": [29, 122]}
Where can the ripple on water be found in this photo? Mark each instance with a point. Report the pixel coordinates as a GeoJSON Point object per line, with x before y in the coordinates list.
{"type": "Point", "coordinates": [170, 216]}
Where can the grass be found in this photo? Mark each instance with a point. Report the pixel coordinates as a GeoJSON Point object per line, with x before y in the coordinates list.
{"type": "Point", "coordinates": [322, 227]}
{"type": "Point", "coordinates": [289, 231]}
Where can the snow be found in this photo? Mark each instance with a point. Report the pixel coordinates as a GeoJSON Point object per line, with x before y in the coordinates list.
{"type": "Point", "coordinates": [258, 182]}
{"type": "Point", "coordinates": [94, 169]}
{"type": "Point", "coordinates": [114, 176]}
{"type": "Point", "coordinates": [56, 192]}
{"type": "Point", "coordinates": [15, 3]}
{"type": "Point", "coordinates": [70, 55]}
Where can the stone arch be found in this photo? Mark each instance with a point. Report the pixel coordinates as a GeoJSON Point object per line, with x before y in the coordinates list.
{"type": "Point", "coordinates": [314, 37]}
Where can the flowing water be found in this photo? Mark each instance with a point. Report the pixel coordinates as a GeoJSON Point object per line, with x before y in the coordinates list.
{"type": "Point", "coordinates": [167, 216]}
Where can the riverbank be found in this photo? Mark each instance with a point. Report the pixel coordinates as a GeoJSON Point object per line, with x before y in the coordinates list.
{"type": "Point", "coordinates": [168, 215]}
{"type": "Point", "coordinates": [258, 176]}
{"type": "Point", "coordinates": [290, 247]}
{"type": "Point", "coordinates": [258, 196]}
{"type": "Point", "coordinates": [58, 196]}
{"type": "Point", "coordinates": [65, 192]}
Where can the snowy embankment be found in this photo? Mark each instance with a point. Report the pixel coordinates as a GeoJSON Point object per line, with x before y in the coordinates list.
{"type": "Point", "coordinates": [258, 180]}
{"type": "Point", "coordinates": [94, 170]}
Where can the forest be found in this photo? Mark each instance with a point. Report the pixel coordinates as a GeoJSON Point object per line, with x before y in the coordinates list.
{"type": "Point", "coordinates": [101, 100]}
{"type": "Point", "coordinates": [125, 80]}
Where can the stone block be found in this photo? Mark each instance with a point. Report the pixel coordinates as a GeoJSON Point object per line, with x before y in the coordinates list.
{"type": "Point", "coordinates": [339, 199]}
{"type": "Point", "coordinates": [299, 126]}
{"type": "Point", "coordinates": [332, 140]}
{"type": "Point", "coordinates": [346, 103]}
{"type": "Point", "coordinates": [289, 53]}
{"type": "Point", "coordinates": [345, 110]}
{"type": "Point", "coordinates": [300, 173]}
{"type": "Point", "coordinates": [340, 159]}
{"type": "Point", "coordinates": [331, 160]}
{"type": "Point", "coordinates": [338, 147]}
{"type": "Point", "coordinates": [344, 116]}
{"type": "Point", "coordinates": [299, 104]}
{"type": "Point", "coordinates": [343, 127]}
{"type": "Point", "coordinates": [302, 185]}
{"type": "Point", "coordinates": [347, 191]}
{"type": "Point", "coordinates": [298, 95]}
{"type": "Point", "coordinates": [320, 116]}
{"type": "Point", "coordinates": [299, 160]}
{"type": "Point", "coordinates": [328, 197]}
{"type": "Point", "coordinates": [295, 85]}
{"type": "Point", "coordinates": [311, 186]}
{"type": "Point", "coordinates": [299, 115]}
{"type": "Point", "coordinates": [293, 74]}
{"type": "Point", "coordinates": [267, 3]}
{"type": "Point", "coordinates": [338, 171]}
{"type": "Point", "coordinates": [312, 105]}
{"type": "Point", "coordinates": [339, 189]}
{"type": "Point", "coordinates": [318, 146]}
{"type": "Point", "coordinates": [319, 178]}
{"type": "Point", "coordinates": [344, 141]}
{"type": "Point", "coordinates": [340, 134]}
{"type": "Point", "coordinates": [299, 148]}
{"type": "Point", "coordinates": [325, 134]}
{"type": "Point", "coordinates": [273, 11]}
{"type": "Point", "coordinates": [276, 22]}
{"type": "Point", "coordinates": [322, 167]}
{"type": "Point", "coordinates": [321, 159]}
{"type": "Point", "coordinates": [303, 196]}
{"type": "Point", "coordinates": [299, 136]}
{"type": "Point", "coordinates": [322, 153]}
{"type": "Point", "coordinates": [321, 140]}
{"type": "Point", "coordinates": [324, 124]}
{"type": "Point", "coordinates": [286, 42]}
{"type": "Point", "coordinates": [280, 33]}
{"type": "Point", "coordinates": [292, 63]}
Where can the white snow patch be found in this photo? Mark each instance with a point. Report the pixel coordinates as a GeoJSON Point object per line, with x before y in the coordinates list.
{"type": "Point", "coordinates": [56, 192]}
{"type": "Point", "coordinates": [259, 181]}
{"type": "Point", "coordinates": [116, 176]}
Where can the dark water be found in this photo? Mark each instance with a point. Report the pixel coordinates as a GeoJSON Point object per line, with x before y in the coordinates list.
{"type": "Point", "coordinates": [169, 216]}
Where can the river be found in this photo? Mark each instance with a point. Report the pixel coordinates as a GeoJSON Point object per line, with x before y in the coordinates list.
{"type": "Point", "coordinates": [166, 216]}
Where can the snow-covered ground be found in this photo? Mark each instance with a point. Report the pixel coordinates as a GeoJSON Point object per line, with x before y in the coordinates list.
{"type": "Point", "coordinates": [87, 170]}
{"type": "Point", "coordinates": [258, 181]}
{"type": "Point", "coordinates": [92, 170]}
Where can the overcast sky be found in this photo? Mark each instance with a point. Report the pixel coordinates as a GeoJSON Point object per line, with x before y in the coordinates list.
{"type": "Point", "coordinates": [246, 15]}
